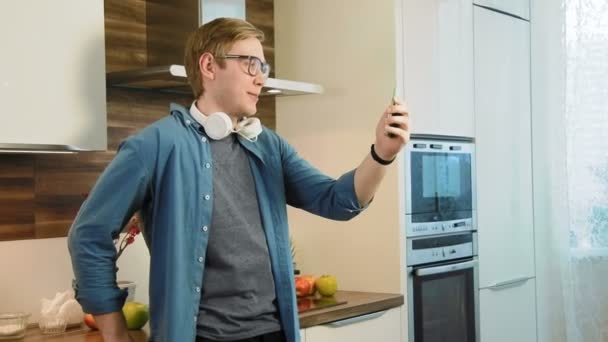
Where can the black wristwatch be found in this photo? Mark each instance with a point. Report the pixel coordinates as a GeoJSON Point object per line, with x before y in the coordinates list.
{"type": "Point", "coordinates": [378, 159]}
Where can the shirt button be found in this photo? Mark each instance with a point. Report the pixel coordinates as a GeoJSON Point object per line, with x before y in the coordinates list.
{"type": "Point", "coordinates": [195, 318]}
{"type": "Point", "coordinates": [207, 165]}
{"type": "Point", "coordinates": [200, 259]}
{"type": "Point", "coordinates": [187, 122]}
{"type": "Point", "coordinates": [205, 228]}
{"type": "Point", "coordinates": [197, 289]}
{"type": "Point", "coordinates": [203, 139]}
{"type": "Point", "coordinates": [207, 197]}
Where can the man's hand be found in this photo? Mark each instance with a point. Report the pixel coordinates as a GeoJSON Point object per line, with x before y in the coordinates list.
{"type": "Point", "coordinates": [113, 327]}
{"type": "Point", "coordinates": [387, 146]}
{"type": "Point", "coordinates": [370, 173]}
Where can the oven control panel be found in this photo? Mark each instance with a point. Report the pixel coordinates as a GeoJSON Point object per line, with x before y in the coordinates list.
{"type": "Point", "coordinates": [440, 248]}
{"type": "Point", "coordinates": [444, 227]}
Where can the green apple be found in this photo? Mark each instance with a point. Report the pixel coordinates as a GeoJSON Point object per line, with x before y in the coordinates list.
{"type": "Point", "coordinates": [327, 285]}
{"type": "Point", "coordinates": [136, 314]}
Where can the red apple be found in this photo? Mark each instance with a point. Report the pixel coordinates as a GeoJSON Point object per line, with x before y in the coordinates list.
{"type": "Point", "coordinates": [302, 287]}
{"type": "Point", "coordinates": [305, 285]}
{"type": "Point", "coordinates": [89, 320]}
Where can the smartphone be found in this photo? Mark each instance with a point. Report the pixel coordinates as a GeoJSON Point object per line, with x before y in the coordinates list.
{"type": "Point", "coordinates": [391, 135]}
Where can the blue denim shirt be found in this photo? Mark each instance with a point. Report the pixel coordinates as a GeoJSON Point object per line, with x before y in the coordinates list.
{"type": "Point", "coordinates": [165, 171]}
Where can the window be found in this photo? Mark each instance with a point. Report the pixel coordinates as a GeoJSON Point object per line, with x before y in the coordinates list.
{"type": "Point", "coordinates": [587, 125]}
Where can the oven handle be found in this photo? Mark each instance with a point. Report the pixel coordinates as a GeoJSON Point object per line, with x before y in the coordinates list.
{"type": "Point", "coordinates": [446, 268]}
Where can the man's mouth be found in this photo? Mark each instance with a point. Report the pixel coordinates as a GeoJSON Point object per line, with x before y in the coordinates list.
{"type": "Point", "coordinates": [253, 95]}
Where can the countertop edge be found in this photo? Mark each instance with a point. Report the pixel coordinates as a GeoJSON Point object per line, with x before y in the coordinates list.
{"type": "Point", "coordinates": [351, 310]}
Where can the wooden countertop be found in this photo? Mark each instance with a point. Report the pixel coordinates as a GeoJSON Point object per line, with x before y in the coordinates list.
{"type": "Point", "coordinates": [358, 303]}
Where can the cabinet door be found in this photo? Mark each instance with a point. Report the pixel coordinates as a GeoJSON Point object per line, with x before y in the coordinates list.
{"type": "Point", "coordinates": [438, 65]}
{"type": "Point", "coordinates": [378, 326]}
{"type": "Point", "coordinates": [520, 8]}
{"type": "Point", "coordinates": [302, 335]}
{"type": "Point", "coordinates": [508, 314]}
{"type": "Point", "coordinates": [503, 146]}
{"type": "Point", "coordinates": [53, 61]}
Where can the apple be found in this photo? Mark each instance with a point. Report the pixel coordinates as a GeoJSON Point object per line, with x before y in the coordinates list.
{"type": "Point", "coordinates": [327, 285]}
{"type": "Point", "coordinates": [136, 314]}
{"type": "Point", "coordinates": [305, 285]}
{"type": "Point", "coordinates": [89, 320]}
{"type": "Point", "coordinates": [302, 287]}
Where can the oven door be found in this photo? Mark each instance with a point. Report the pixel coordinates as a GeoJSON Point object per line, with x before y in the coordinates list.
{"type": "Point", "coordinates": [443, 302]}
{"type": "Point", "coordinates": [439, 182]}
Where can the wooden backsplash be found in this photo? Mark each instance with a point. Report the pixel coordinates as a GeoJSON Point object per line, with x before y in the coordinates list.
{"type": "Point", "coordinates": [41, 194]}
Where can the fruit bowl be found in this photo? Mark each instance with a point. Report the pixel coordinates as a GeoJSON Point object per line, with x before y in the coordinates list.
{"type": "Point", "coordinates": [13, 325]}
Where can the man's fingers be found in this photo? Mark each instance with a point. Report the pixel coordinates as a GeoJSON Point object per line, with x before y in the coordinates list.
{"type": "Point", "coordinates": [401, 109]}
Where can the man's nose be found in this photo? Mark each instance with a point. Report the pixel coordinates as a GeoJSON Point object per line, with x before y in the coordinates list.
{"type": "Point", "coordinates": [259, 79]}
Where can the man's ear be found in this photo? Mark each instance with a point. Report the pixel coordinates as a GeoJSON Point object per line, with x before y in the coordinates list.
{"type": "Point", "coordinates": [207, 66]}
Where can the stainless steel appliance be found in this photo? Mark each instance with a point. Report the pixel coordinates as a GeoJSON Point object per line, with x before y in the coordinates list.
{"type": "Point", "coordinates": [439, 185]}
{"type": "Point", "coordinates": [442, 293]}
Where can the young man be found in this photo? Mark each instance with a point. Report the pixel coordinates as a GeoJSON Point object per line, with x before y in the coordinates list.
{"type": "Point", "coordinates": [214, 204]}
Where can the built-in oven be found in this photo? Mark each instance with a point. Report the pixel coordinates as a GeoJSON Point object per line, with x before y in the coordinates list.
{"type": "Point", "coordinates": [442, 288]}
{"type": "Point", "coordinates": [439, 185]}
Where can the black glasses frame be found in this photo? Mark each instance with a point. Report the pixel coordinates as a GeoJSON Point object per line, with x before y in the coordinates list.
{"type": "Point", "coordinates": [264, 67]}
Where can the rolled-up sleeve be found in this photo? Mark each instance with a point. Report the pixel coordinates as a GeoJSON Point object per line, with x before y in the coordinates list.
{"type": "Point", "coordinates": [118, 193]}
{"type": "Point", "coordinates": [309, 189]}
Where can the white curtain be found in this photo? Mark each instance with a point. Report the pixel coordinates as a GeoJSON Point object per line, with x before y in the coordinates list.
{"type": "Point", "coordinates": [570, 137]}
{"type": "Point", "coordinates": [586, 117]}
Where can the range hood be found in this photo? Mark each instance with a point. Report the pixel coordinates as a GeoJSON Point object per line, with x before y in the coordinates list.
{"type": "Point", "coordinates": [172, 78]}
{"type": "Point", "coordinates": [165, 41]}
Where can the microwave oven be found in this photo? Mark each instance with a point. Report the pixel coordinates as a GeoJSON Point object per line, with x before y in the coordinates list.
{"type": "Point", "coordinates": [439, 185]}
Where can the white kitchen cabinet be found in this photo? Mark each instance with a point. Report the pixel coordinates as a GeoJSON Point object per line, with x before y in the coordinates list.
{"type": "Point", "coordinates": [378, 326]}
{"type": "Point", "coordinates": [508, 314]}
{"type": "Point", "coordinates": [520, 8]}
{"type": "Point", "coordinates": [52, 75]}
{"type": "Point", "coordinates": [503, 146]}
{"type": "Point", "coordinates": [438, 65]}
{"type": "Point", "coordinates": [504, 177]}
{"type": "Point", "coordinates": [302, 335]}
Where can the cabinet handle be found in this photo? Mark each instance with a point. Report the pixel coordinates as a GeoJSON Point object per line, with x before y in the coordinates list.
{"type": "Point", "coordinates": [356, 319]}
{"type": "Point", "coordinates": [508, 283]}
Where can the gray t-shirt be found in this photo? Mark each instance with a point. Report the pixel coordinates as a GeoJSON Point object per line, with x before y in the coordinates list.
{"type": "Point", "coordinates": [238, 298]}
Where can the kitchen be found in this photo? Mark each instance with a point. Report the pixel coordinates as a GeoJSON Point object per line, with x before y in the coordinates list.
{"type": "Point", "coordinates": [356, 64]}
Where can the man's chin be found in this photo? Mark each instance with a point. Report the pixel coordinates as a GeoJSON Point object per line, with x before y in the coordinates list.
{"type": "Point", "coordinates": [250, 112]}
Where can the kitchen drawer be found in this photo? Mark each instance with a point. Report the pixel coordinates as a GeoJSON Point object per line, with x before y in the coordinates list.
{"type": "Point", "coordinates": [378, 326]}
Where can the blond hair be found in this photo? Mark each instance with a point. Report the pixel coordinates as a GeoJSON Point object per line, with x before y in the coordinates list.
{"type": "Point", "coordinates": [215, 37]}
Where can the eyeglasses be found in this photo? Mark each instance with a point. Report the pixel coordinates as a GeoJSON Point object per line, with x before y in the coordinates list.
{"type": "Point", "coordinates": [254, 64]}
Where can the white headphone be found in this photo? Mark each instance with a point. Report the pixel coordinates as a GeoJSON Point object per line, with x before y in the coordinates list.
{"type": "Point", "coordinates": [219, 125]}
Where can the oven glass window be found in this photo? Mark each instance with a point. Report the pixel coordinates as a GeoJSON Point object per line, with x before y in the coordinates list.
{"type": "Point", "coordinates": [441, 185]}
{"type": "Point", "coordinates": [444, 307]}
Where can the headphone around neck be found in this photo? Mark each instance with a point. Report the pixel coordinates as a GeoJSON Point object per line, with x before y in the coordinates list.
{"type": "Point", "coordinates": [219, 125]}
